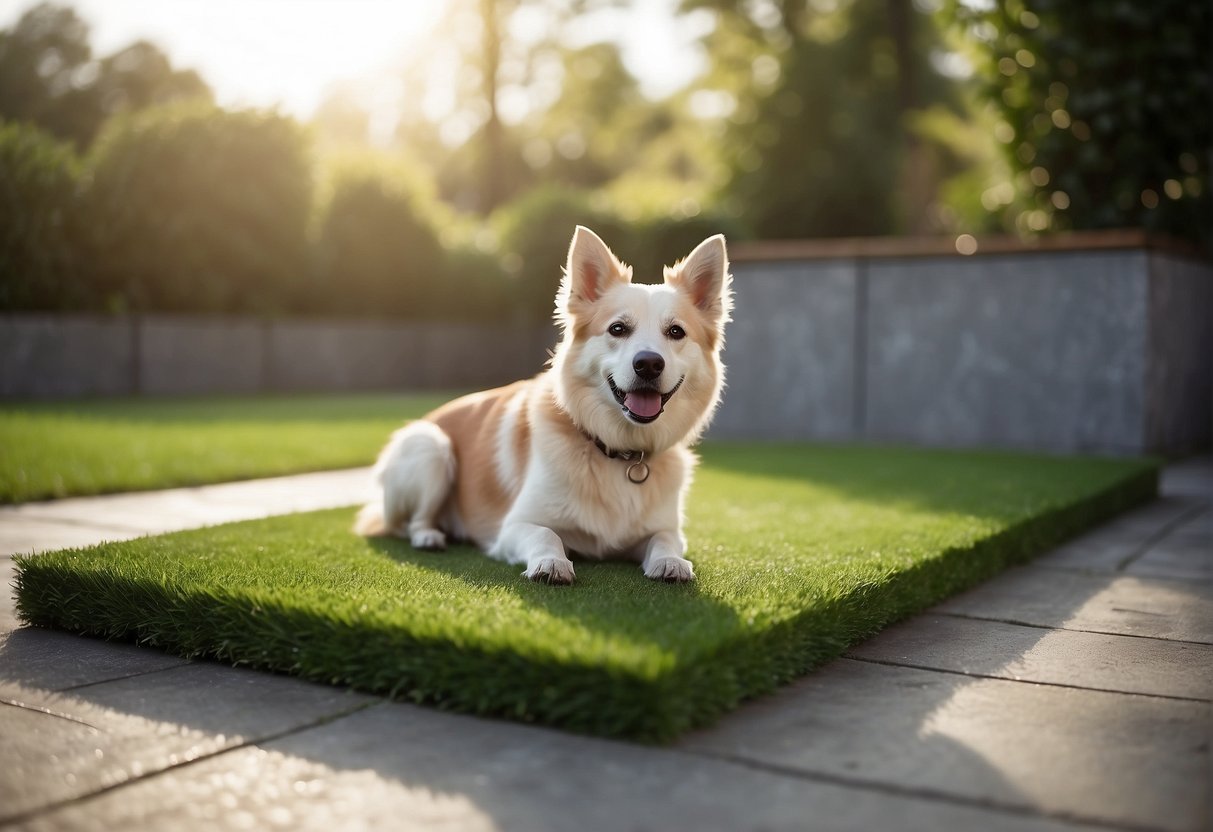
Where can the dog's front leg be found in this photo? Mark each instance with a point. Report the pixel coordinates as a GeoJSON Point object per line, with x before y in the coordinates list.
{"type": "Point", "coordinates": [540, 548]}
{"type": "Point", "coordinates": [663, 558]}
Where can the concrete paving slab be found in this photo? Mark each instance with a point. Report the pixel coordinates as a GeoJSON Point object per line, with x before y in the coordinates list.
{"type": "Point", "coordinates": [856, 746]}
{"type": "Point", "coordinates": [396, 765]}
{"type": "Point", "coordinates": [1192, 477]}
{"type": "Point", "coordinates": [23, 535]}
{"type": "Point", "coordinates": [1185, 553]}
{"type": "Point", "coordinates": [1056, 657]}
{"type": "Point", "coordinates": [1107, 547]}
{"type": "Point", "coordinates": [32, 658]}
{"type": "Point", "coordinates": [1085, 755]}
{"type": "Point", "coordinates": [45, 526]}
{"type": "Point", "coordinates": [1116, 604]}
{"type": "Point", "coordinates": [60, 746]}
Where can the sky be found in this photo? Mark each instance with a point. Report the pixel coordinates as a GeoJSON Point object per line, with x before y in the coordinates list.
{"type": "Point", "coordinates": [290, 52]}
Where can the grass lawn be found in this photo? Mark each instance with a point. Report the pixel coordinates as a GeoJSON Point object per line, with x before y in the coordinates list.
{"type": "Point", "coordinates": [800, 552]}
{"type": "Point", "coordinates": [53, 449]}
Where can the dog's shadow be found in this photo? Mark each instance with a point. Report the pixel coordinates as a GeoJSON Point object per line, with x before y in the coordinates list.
{"type": "Point", "coordinates": [610, 597]}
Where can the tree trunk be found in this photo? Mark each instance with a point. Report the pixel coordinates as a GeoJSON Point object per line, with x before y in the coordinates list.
{"type": "Point", "coordinates": [491, 139]}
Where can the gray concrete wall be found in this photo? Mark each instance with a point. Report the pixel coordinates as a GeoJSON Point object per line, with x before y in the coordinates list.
{"type": "Point", "coordinates": [1103, 351]}
{"type": "Point", "coordinates": [68, 356]}
{"type": "Point", "coordinates": [187, 355]}
{"type": "Point", "coordinates": [1030, 350]}
{"type": "Point", "coordinates": [51, 356]}
{"type": "Point", "coordinates": [789, 352]}
{"type": "Point", "coordinates": [1179, 383]}
{"type": "Point", "coordinates": [330, 355]}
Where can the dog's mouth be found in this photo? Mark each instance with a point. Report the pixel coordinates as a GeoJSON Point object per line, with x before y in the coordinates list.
{"type": "Point", "coordinates": [643, 403]}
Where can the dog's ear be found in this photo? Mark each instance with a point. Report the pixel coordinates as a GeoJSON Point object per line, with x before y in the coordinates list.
{"type": "Point", "coordinates": [704, 275]}
{"type": "Point", "coordinates": [590, 271]}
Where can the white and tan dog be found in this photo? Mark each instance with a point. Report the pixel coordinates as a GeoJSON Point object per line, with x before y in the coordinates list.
{"type": "Point", "coordinates": [589, 457]}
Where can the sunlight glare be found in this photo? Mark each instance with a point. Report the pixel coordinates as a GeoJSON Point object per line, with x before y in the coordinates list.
{"type": "Point", "coordinates": [269, 52]}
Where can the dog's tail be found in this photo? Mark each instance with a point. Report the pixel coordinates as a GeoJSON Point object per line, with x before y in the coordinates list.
{"type": "Point", "coordinates": [370, 521]}
{"type": "Point", "coordinates": [415, 472]}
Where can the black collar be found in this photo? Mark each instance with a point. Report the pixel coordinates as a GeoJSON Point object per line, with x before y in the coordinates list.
{"type": "Point", "coordinates": [610, 453]}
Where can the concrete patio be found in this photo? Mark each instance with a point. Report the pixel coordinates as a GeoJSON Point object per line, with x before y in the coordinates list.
{"type": "Point", "coordinates": [1075, 692]}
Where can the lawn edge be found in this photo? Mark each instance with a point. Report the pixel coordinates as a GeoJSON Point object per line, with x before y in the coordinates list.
{"type": "Point", "coordinates": [586, 698]}
{"type": "Point", "coordinates": [755, 666]}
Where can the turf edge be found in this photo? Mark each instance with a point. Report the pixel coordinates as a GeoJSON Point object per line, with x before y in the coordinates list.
{"type": "Point", "coordinates": [581, 698]}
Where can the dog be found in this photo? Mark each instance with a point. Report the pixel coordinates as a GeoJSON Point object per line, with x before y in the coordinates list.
{"type": "Point", "coordinates": [590, 457]}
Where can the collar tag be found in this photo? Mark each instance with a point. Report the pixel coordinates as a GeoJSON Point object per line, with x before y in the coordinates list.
{"type": "Point", "coordinates": [638, 471]}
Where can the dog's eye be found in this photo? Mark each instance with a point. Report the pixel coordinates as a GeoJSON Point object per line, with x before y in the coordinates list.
{"type": "Point", "coordinates": [676, 332]}
{"type": "Point", "coordinates": [618, 329]}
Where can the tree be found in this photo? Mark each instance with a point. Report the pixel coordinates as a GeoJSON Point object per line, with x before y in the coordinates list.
{"type": "Point", "coordinates": [48, 76]}
{"type": "Point", "coordinates": [1100, 109]}
{"type": "Point", "coordinates": [818, 141]}
{"type": "Point", "coordinates": [45, 71]}
{"type": "Point", "coordinates": [378, 250]}
{"type": "Point", "coordinates": [41, 259]}
{"type": "Point", "coordinates": [198, 209]}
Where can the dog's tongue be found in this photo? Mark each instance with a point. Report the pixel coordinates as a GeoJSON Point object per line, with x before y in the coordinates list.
{"type": "Point", "coordinates": [644, 403]}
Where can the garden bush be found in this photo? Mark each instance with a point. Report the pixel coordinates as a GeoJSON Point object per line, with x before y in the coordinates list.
{"type": "Point", "coordinates": [534, 233]}
{"type": "Point", "coordinates": [40, 240]}
{"type": "Point", "coordinates": [379, 250]}
{"type": "Point", "coordinates": [664, 240]}
{"type": "Point", "coordinates": [1101, 110]}
{"type": "Point", "coordinates": [475, 287]}
{"type": "Point", "coordinates": [201, 209]}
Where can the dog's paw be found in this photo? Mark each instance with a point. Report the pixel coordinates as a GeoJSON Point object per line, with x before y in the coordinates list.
{"type": "Point", "coordinates": [672, 570]}
{"type": "Point", "coordinates": [550, 571]}
{"type": "Point", "coordinates": [429, 539]}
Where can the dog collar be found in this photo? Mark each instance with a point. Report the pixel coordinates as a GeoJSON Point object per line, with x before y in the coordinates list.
{"type": "Point", "coordinates": [637, 472]}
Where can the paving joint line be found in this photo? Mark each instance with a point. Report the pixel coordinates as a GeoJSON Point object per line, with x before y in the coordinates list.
{"type": "Point", "coordinates": [1161, 533]}
{"type": "Point", "coordinates": [1018, 623]}
{"type": "Point", "coordinates": [139, 674]}
{"type": "Point", "coordinates": [919, 792]}
{"type": "Point", "coordinates": [973, 675]}
{"type": "Point", "coordinates": [26, 706]}
{"type": "Point", "coordinates": [130, 781]}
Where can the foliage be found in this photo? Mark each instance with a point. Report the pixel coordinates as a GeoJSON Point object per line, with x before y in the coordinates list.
{"type": "Point", "coordinates": [475, 287]}
{"type": "Point", "coordinates": [821, 94]}
{"type": "Point", "coordinates": [42, 263]}
{"type": "Point", "coordinates": [534, 233]}
{"type": "Point", "coordinates": [378, 250]}
{"type": "Point", "coordinates": [663, 240]}
{"type": "Point", "coordinates": [48, 76]}
{"type": "Point", "coordinates": [834, 117]}
{"type": "Point", "coordinates": [67, 449]}
{"type": "Point", "coordinates": [1102, 110]}
{"type": "Point", "coordinates": [800, 551]}
{"type": "Point", "coordinates": [200, 209]}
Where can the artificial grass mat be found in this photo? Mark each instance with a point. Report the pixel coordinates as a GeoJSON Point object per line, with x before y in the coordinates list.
{"type": "Point", "coordinates": [800, 551]}
{"type": "Point", "coordinates": [97, 446]}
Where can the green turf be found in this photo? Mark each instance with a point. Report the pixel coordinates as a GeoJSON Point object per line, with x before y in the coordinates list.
{"type": "Point", "coordinates": [800, 551]}
{"type": "Point", "coordinates": [51, 449]}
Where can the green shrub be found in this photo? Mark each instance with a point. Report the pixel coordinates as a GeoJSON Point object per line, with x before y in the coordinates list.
{"type": "Point", "coordinates": [665, 240]}
{"type": "Point", "coordinates": [1102, 110]}
{"type": "Point", "coordinates": [476, 287]}
{"type": "Point", "coordinates": [378, 249]}
{"type": "Point", "coordinates": [200, 209]}
{"type": "Point", "coordinates": [534, 232]}
{"type": "Point", "coordinates": [40, 255]}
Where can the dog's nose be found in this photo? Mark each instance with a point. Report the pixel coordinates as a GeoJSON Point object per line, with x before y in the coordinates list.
{"type": "Point", "coordinates": [648, 365]}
